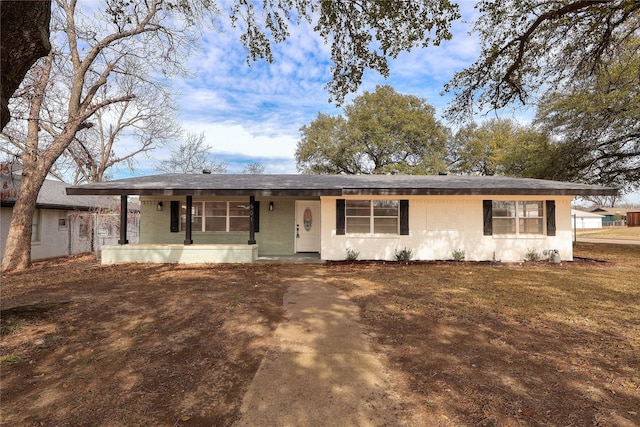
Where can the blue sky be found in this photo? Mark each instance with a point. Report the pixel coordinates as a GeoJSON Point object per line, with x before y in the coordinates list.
{"type": "Point", "coordinates": [254, 112]}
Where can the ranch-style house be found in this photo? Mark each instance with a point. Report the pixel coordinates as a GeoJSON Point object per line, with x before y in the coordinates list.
{"type": "Point", "coordinates": [201, 218]}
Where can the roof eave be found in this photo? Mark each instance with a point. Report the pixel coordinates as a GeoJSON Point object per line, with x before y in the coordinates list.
{"type": "Point", "coordinates": [476, 192]}
{"type": "Point", "coordinates": [79, 191]}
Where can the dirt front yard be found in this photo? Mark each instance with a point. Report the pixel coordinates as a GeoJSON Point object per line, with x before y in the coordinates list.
{"type": "Point", "coordinates": [476, 343]}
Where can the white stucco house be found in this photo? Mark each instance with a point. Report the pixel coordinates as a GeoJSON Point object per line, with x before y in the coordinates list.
{"type": "Point", "coordinates": [238, 218]}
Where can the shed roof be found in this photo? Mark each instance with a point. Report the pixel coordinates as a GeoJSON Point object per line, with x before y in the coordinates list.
{"type": "Point", "coordinates": [584, 214]}
{"type": "Point", "coordinates": [333, 185]}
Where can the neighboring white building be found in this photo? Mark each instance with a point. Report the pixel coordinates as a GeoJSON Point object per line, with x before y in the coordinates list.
{"type": "Point", "coordinates": [236, 218]}
{"type": "Point", "coordinates": [62, 225]}
{"type": "Point", "coordinates": [581, 219]}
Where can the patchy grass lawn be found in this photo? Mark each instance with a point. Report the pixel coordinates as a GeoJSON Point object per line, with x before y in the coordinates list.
{"type": "Point", "coordinates": [625, 233]}
{"type": "Point", "coordinates": [511, 345]}
{"type": "Point", "coordinates": [477, 343]}
{"type": "Point", "coordinates": [84, 344]}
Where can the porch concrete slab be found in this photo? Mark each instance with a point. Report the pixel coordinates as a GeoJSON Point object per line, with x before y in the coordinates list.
{"type": "Point", "coordinates": [323, 371]}
{"type": "Point", "coordinates": [307, 258]}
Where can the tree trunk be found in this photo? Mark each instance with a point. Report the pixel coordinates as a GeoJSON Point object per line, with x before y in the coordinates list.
{"type": "Point", "coordinates": [25, 38]}
{"type": "Point", "coordinates": [17, 254]}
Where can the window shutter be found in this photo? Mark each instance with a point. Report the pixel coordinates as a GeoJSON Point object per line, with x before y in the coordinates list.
{"type": "Point", "coordinates": [175, 216]}
{"type": "Point", "coordinates": [256, 217]}
{"type": "Point", "coordinates": [551, 218]}
{"type": "Point", "coordinates": [404, 217]}
{"type": "Point", "coordinates": [340, 217]}
{"type": "Point", "coordinates": [487, 215]}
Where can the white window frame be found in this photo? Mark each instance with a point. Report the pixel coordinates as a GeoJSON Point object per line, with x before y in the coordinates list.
{"type": "Point", "coordinates": [519, 217]}
{"type": "Point", "coordinates": [372, 216]}
{"type": "Point", "coordinates": [35, 226]}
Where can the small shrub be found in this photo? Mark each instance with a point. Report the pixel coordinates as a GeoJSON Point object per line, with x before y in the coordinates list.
{"type": "Point", "coordinates": [404, 254]}
{"type": "Point", "coordinates": [9, 359]}
{"type": "Point", "coordinates": [458, 255]}
{"type": "Point", "coordinates": [532, 255]}
{"type": "Point", "coordinates": [352, 255]}
{"type": "Point", "coordinates": [9, 327]}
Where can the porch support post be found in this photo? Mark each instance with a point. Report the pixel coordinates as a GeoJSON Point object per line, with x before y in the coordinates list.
{"type": "Point", "coordinates": [123, 220]}
{"type": "Point", "coordinates": [187, 229]}
{"type": "Point", "coordinates": [252, 222]}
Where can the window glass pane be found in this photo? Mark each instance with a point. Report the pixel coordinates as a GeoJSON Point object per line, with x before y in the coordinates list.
{"type": "Point", "coordinates": [504, 225]}
{"type": "Point", "coordinates": [237, 223]}
{"type": "Point", "coordinates": [215, 223]}
{"type": "Point", "coordinates": [35, 226]}
{"type": "Point", "coordinates": [385, 208]}
{"type": "Point", "coordinates": [531, 225]}
{"type": "Point", "coordinates": [504, 209]}
{"type": "Point", "coordinates": [238, 209]}
{"type": "Point", "coordinates": [358, 225]}
{"type": "Point", "coordinates": [215, 208]}
{"type": "Point", "coordinates": [385, 225]}
{"type": "Point", "coordinates": [196, 209]}
{"type": "Point", "coordinates": [358, 207]}
{"type": "Point", "coordinates": [530, 209]}
{"type": "Point", "coordinates": [196, 223]}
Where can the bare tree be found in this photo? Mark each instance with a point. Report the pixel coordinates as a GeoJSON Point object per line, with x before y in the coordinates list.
{"type": "Point", "coordinates": [143, 122]}
{"type": "Point", "coordinates": [191, 155]}
{"type": "Point", "coordinates": [255, 168]}
{"type": "Point", "coordinates": [95, 59]}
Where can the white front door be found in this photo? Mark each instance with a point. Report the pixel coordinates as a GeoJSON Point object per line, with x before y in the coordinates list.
{"type": "Point", "coordinates": [307, 226]}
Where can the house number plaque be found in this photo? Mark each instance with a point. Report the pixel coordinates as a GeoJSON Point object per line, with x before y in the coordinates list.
{"type": "Point", "coordinates": [307, 219]}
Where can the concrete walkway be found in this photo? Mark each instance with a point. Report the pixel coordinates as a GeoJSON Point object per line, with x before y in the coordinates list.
{"type": "Point", "coordinates": [323, 371]}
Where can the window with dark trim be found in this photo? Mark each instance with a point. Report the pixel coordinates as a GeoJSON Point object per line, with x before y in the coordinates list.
{"type": "Point", "coordinates": [216, 216]}
{"type": "Point", "coordinates": [517, 217]}
{"type": "Point", "coordinates": [372, 216]}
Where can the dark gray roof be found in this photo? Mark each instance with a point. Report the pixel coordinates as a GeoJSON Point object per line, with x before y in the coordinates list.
{"type": "Point", "coordinates": [333, 185]}
{"type": "Point", "coordinates": [53, 195]}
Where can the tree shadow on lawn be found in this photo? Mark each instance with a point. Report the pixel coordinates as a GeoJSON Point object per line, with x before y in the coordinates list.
{"type": "Point", "coordinates": [482, 355]}
{"type": "Point", "coordinates": [130, 345]}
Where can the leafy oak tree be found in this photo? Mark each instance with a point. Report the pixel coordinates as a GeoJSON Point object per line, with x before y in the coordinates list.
{"type": "Point", "coordinates": [528, 46]}
{"type": "Point", "coordinates": [99, 42]}
{"type": "Point", "coordinates": [381, 132]}
{"type": "Point", "coordinates": [595, 125]}
{"type": "Point", "coordinates": [495, 147]}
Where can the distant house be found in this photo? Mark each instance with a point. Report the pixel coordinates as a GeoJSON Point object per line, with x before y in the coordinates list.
{"type": "Point", "coordinates": [581, 219]}
{"type": "Point", "coordinates": [612, 217]}
{"type": "Point", "coordinates": [62, 225]}
{"type": "Point", "coordinates": [237, 218]}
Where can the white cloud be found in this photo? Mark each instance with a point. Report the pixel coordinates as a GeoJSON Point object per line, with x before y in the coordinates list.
{"type": "Point", "coordinates": [230, 138]}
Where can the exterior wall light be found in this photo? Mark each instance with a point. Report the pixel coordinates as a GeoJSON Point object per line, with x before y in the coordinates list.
{"type": "Point", "coordinates": [159, 207]}
{"type": "Point", "coordinates": [271, 206]}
